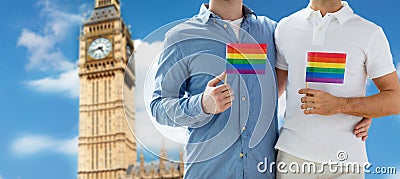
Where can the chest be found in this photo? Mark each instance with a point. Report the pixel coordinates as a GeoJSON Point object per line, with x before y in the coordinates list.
{"type": "Point", "coordinates": [300, 41]}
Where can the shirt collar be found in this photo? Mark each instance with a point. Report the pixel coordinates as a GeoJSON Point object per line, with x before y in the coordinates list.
{"type": "Point", "coordinates": [343, 15]}
{"type": "Point", "coordinates": [205, 14]}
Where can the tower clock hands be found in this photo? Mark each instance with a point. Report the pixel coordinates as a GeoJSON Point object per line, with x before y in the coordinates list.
{"type": "Point", "coordinates": [94, 50]}
{"type": "Point", "coordinates": [98, 48]}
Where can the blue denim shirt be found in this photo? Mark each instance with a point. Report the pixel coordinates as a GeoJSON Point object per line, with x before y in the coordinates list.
{"type": "Point", "coordinates": [233, 143]}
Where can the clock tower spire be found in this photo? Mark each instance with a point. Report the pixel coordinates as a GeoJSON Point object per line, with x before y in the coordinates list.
{"type": "Point", "coordinates": [107, 81]}
{"type": "Point", "coordinates": [105, 3]}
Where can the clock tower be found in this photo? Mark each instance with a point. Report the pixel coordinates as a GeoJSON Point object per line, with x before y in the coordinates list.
{"type": "Point", "coordinates": [106, 144]}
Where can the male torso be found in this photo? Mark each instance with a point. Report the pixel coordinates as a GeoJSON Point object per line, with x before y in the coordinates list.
{"type": "Point", "coordinates": [219, 145]}
{"type": "Point", "coordinates": [320, 138]}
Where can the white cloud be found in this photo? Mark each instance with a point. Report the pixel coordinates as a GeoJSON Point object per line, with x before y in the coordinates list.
{"type": "Point", "coordinates": [43, 47]}
{"type": "Point", "coordinates": [66, 82]}
{"type": "Point", "coordinates": [1, 177]}
{"type": "Point", "coordinates": [172, 138]}
{"type": "Point", "coordinates": [33, 144]}
{"type": "Point", "coordinates": [281, 109]}
{"type": "Point", "coordinates": [146, 54]}
{"type": "Point", "coordinates": [45, 53]}
{"type": "Point", "coordinates": [68, 146]}
{"type": "Point", "coordinates": [42, 55]}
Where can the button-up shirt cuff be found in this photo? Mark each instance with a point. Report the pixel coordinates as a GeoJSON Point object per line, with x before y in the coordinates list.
{"type": "Point", "coordinates": [198, 111]}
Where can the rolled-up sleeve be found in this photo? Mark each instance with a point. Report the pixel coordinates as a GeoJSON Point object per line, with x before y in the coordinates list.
{"type": "Point", "coordinates": [171, 104]}
{"type": "Point", "coordinates": [281, 62]}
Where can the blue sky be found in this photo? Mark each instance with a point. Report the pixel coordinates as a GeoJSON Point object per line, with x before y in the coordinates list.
{"type": "Point", "coordinates": [39, 87]}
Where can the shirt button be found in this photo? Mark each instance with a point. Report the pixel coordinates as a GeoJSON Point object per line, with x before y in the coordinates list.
{"type": "Point", "coordinates": [214, 20]}
{"type": "Point", "coordinates": [241, 155]}
{"type": "Point", "coordinates": [225, 26]}
{"type": "Point", "coordinates": [243, 98]}
{"type": "Point", "coordinates": [244, 128]}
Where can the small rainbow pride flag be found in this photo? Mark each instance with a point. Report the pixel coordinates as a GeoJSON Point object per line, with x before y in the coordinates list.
{"type": "Point", "coordinates": [325, 67]}
{"type": "Point", "coordinates": [246, 58]}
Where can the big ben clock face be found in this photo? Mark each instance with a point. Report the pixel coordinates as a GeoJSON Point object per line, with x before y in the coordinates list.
{"type": "Point", "coordinates": [100, 48]}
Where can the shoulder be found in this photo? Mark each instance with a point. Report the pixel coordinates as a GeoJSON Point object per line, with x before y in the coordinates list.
{"type": "Point", "coordinates": [364, 30]}
{"type": "Point", "coordinates": [263, 22]}
{"type": "Point", "coordinates": [175, 33]}
{"type": "Point", "coordinates": [266, 20]}
{"type": "Point", "coordinates": [186, 29]}
{"type": "Point", "coordinates": [290, 20]}
{"type": "Point", "coordinates": [363, 24]}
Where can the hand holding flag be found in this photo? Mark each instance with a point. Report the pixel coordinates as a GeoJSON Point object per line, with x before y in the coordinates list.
{"type": "Point", "coordinates": [217, 99]}
{"type": "Point", "coordinates": [325, 68]}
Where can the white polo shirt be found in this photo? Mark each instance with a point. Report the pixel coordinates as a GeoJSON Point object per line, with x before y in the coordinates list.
{"type": "Point", "coordinates": [314, 137]}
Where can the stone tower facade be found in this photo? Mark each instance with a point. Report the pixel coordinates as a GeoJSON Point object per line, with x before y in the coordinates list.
{"type": "Point", "coordinates": [107, 147]}
{"type": "Point", "coordinates": [106, 144]}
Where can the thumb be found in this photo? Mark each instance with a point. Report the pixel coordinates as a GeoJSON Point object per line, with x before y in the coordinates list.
{"type": "Point", "coordinates": [216, 80]}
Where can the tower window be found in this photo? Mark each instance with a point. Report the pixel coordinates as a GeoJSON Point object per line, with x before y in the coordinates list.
{"type": "Point", "coordinates": [105, 123]}
{"type": "Point", "coordinates": [97, 158]}
{"type": "Point", "coordinates": [104, 2]}
{"type": "Point", "coordinates": [109, 89]}
{"type": "Point", "coordinates": [97, 91]}
{"type": "Point", "coordinates": [109, 120]}
{"type": "Point", "coordinates": [105, 156]}
{"type": "Point", "coordinates": [92, 123]}
{"type": "Point", "coordinates": [105, 90]}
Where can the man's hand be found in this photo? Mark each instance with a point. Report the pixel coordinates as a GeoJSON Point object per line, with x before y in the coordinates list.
{"type": "Point", "coordinates": [323, 103]}
{"type": "Point", "coordinates": [385, 103]}
{"type": "Point", "coordinates": [362, 128]}
{"type": "Point", "coordinates": [320, 102]}
{"type": "Point", "coordinates": [217, 99]}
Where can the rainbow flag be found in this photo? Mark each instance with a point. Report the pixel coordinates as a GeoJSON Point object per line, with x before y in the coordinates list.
{"type": "Point", "coordinates": [325, 67]}
{"type": "Point", "coordinates": [246, 58]}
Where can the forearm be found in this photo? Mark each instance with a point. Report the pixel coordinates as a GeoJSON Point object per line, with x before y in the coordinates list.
{"type": "Point", "coordinates": [281, 89]}
{"type": "Point", "coordinates": [177, 112]}
{"type": "Point", "coordinates": [281, 76]}
{"type": "Point", "coordinates": [383, 104]}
